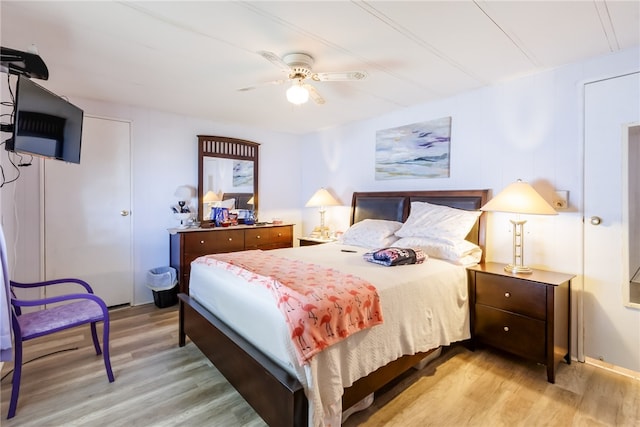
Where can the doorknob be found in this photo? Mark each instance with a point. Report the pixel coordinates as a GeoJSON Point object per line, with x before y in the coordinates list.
{"type": "Point", "coordinates": [596, 220]}
{"type": "Point", "coordinates": [124, 212]}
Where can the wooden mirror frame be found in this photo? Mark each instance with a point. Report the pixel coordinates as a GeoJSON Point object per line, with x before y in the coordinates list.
{"type": "Point", "coordinates": [226, 148]}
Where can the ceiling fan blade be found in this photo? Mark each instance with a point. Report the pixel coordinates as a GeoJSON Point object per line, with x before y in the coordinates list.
{"type": "Point", "coordinates": [275, 60]}
{"type": "Point", "coordinates": [273, 82]}
{"type": "Point", "coordinates": [339, 76]}
{"type": "Point", "coordinates": [314, 94]}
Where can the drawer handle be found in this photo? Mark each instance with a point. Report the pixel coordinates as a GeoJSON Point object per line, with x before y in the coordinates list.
{"type": "Point", "coordinates": [230, 239]}
{"type": "Point", "coordinates": [258, 236]}
{"type": "Point", "coordinates": [506, 329]}
{"type": "Point", "coordinates": [507, 294]}
{"type": "Point", "coordinates": [279, 234]}
{"type": "Point", "coordinates": [202, 242]}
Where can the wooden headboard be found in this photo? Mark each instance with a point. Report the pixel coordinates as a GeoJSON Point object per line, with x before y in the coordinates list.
{"type": "Point", "coordinates": [396, 206]}
{"type": "Point", "coordinates": [241, 200]}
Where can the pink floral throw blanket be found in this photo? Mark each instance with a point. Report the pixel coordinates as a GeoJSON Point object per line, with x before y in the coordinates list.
{"type": "Point", "coordinates": [321, 305]}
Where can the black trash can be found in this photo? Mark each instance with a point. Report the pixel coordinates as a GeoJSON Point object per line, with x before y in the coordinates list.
{"type": "Point", "coordinates": [164, 284]}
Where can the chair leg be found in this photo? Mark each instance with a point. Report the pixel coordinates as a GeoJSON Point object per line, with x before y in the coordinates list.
{"type": "Point", "coordinates": [105, 345]}
{"type": "Point", "coordinates": [94, 335]}
{"type": "Point", "coordinates": [17, 373]}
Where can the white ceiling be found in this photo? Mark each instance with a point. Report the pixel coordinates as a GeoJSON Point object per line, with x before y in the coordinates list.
{"type": "Point", "coordinates": [191, 57]}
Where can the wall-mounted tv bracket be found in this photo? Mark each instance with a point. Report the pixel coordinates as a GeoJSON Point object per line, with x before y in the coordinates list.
{"type": "Point", "coordinates": [18, 62]}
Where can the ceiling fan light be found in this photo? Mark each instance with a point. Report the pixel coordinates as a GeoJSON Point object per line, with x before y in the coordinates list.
{"type": "Point", "coordinates": [297, 94]}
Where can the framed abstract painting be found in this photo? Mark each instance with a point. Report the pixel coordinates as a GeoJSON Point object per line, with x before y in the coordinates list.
{"type": "Point", "coordinates": [242, 173]}
{"type": "Point", "coordinates": [419, 150]}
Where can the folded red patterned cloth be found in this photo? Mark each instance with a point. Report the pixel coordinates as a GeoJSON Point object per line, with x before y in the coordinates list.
{"type": "Point", "coordinates": [395, 256]}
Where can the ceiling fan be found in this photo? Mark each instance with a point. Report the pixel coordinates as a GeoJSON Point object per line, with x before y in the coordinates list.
{"type": "Point", "coordinates": [298, 69]}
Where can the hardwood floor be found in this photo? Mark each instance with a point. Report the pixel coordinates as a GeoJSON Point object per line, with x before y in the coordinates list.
{"type": "Point", "coordinates": [160, 384]}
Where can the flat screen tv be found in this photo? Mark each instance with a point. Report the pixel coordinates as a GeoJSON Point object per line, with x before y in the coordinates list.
{"type": "Point", "coordinates": [45, 124]}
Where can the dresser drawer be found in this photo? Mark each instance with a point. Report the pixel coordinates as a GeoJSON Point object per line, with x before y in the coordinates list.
{"type": "Point", "coordinates": [257, 238]}
{"type": "Point", "coordinates": [282, 236]}
{"type": "Point", "coordinates": [268, 238]}
{"type": "Point", "coordinates": [517, 295]}
{"type": "Point", "coordinates": [511, 332]}
{"type": "Point", "coordinates": [198, 244]}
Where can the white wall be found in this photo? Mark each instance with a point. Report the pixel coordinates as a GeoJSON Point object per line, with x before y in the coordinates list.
{"type": "Point", "coordinates": [529, 128]}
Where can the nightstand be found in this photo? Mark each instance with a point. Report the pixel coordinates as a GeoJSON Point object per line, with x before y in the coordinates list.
{"type": "Point", "coordinates": [310, 241]}
{"type": "Point", "coordinates": [525, 314]}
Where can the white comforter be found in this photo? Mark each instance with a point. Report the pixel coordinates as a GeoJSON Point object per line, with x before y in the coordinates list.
{"type": "Point", "coordinates": [424, 306]}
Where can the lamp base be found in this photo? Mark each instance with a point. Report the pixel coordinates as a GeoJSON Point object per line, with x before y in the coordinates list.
{"type": "Point", "coordinates": [518, 269]}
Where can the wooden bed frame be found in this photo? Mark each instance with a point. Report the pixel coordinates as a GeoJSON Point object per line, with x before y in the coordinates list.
{"type": "Point", "coordinates": [276, 395]}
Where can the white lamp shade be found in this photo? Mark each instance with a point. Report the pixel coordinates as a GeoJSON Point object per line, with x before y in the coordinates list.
{"type": "Point", "coordinates": [183, 193]}
{"type": "Point", "coordinates": [210, 197]}
{"type": "Point", "coordinates": [520, 198]}
{"type": "Point", "coordinates": [297, 94]}
{"type": "Point", "coordinates": [250, 201]}
{"type": "Point", "coordinates": [322, 198]}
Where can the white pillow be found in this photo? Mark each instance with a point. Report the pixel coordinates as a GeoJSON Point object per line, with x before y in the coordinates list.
{"type": "Point", "coordinates": [461, 252]}
{"type": "Point", "coordinates": [372, 233]}
{"type": "Point", "coordinates": [428, 220]}
{"type": "Point", "coordinates": [229, 204]}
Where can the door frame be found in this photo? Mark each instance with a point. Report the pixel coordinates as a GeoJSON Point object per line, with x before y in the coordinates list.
{"type": "Point", "coordinates": [626, 219]}
{"type": "Point", "coordinates": [579, 299]}
{"type": "Point", "coordinates": [41, 174]}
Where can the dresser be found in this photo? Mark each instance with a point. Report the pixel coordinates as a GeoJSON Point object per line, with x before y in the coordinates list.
{"type": "Point", "coordinates": [525, 314]}
{"type": "Point", "coordinates": [185, 245]}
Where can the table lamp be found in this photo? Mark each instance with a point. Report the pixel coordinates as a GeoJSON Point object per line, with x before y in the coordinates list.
{"type": "Point", "coordinates": [519, 198]}
{"type": "Point", "coordinates": [322, 198]}
{"type": "Point", "coordinates": [209, 199]}
{"type": "Point", "coordinates": [251, 218]}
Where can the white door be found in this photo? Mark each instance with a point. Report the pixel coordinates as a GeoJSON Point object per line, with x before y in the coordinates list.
{"type": "Point", "coordinates": [86, 209]}
{"type": "Point", "coordinates": [611, 329]}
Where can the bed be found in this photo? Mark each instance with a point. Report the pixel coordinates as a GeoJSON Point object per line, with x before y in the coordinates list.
{"type": "Point", "coordinates": [276, 391]}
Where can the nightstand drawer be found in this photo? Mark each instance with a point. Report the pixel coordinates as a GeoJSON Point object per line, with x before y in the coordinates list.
{"type": "Point", "coordinates": [311, 241]}
{"type": "Point", "coordinates": [517, 334]}
{"type": "Point", "coordinates": [517, 295]}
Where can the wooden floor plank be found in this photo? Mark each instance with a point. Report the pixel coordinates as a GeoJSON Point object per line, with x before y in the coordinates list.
{"type": "Point", "coordinates": [160, 384]}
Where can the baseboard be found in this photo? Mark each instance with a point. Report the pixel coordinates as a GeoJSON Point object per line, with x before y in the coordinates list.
{"type": "Point", "coordinates": [613, 368]}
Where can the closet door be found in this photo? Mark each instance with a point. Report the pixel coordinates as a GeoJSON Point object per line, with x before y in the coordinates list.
{"type": "Point", "coordinates": [611, 331]}
{"type": "Point", "coordinates": [87, 213]}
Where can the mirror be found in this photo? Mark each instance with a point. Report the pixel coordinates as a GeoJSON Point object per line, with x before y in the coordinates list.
{"type": "Point", "coordinates": [228, 168]}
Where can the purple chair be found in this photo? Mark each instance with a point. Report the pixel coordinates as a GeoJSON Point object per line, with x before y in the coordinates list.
{"type": "Point", "coordinates": [85, 308]}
